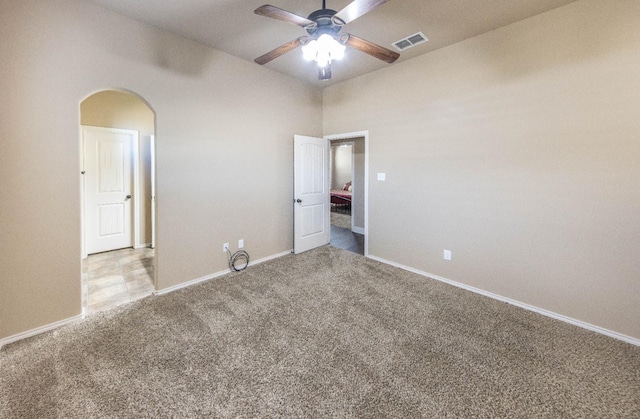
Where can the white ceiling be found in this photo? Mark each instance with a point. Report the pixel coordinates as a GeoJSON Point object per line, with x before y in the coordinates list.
{"type": "Point", "coordinates": [232, 27]}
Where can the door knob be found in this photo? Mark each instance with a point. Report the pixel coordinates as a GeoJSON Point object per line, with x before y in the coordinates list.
{"type": "Point", "coordinates": [299, 201]}
{"type": "Point", "coordinates": [127, 197]}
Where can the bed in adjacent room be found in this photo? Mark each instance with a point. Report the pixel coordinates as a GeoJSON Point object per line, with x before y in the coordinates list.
{"type": "Point", "coordinates": [341, 198]}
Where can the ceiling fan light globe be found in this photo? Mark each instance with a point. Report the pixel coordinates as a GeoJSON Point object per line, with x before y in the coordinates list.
{"type": "Point", "coordinates": [324, 50]}
{"type": "Point", "coordinates": [337, 53]}
{"type": "Point", "coordinates": [310, 50]}
{"type": "Point", "coordinates": [325, 41]}
{"type": "Point", "coordinates": [323, 58]}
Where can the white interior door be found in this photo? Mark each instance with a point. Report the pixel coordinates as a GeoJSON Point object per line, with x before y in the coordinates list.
{"type": "Point", "coordinates": [311, 193]}
{"type": "Point", "coordinates": [108, 183]}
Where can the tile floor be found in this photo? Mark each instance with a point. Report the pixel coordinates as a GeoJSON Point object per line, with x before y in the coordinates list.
{"type": "Point", "coordinates": [342, 236]}
{"type": "Point", "coordinates": [110, 279]}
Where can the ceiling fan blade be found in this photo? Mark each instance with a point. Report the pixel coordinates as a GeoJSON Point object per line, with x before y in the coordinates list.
{"type": "Point", "coordinates": [372, 49]}
{"type": "Point", "coordinates": [355, 9]}
{"type": "Point", "coordinates": [283, 49]}
{"type": "Point", "coordinates": [280, 14]}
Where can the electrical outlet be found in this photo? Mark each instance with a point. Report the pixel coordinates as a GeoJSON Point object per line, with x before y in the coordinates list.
{"type": "Point", "coordinates": [240, 244]}
{"type": "Point", "coordinates": [447, 254]}
{"type": "Point", "coordinates": [225, 247]}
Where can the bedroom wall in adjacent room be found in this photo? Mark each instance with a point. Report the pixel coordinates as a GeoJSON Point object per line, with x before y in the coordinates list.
{"type": "Point", "coordinates": [341, 168]}
{"type": "Point", "coordinates": [224, 138]}
{"type": "Point", "coordinates": [519, 151]}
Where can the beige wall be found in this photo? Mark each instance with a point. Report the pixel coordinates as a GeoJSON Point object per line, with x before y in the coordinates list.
{"type": "Point", "coordinates": [116, 109]}
{"type": "Point", "coordinates": [342, 165]}
{"type": "Point", "coordinates": [519, 150]}
{"type": "Point", "coordinates": [224, 128]}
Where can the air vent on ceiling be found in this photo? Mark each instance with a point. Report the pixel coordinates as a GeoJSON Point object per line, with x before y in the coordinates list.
{"type": "Point", "coordinates": [410, 41]}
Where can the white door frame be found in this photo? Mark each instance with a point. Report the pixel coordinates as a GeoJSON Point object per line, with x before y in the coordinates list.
{"type": "Point", "coordinates": [152, 151]}
{"type": "Point", "coordinates": [353, 135]}
{"type": "Point", "coordinates": [135, 153]}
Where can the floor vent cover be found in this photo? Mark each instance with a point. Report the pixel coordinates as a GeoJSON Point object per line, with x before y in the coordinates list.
{"type": "Point", "coordinates": [410, 41]}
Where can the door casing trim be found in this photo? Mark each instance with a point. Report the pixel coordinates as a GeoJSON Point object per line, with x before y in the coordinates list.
{"type": "Point", "coordinates": [348, 136]}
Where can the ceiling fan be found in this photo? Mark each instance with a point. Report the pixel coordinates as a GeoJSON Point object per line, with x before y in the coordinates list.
{"type": "Point", "coordinates": [325, 42]}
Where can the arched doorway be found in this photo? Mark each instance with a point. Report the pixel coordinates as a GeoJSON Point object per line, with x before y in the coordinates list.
{"type": "Point", "coordinates": [117, 137]}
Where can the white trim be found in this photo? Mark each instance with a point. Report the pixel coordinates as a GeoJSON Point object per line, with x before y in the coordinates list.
{"type": "Point", "coordinates": [347, 136]}
{"type": "Point", "coordinates": [190, 283]}
{"type": "Point", "coordinates": [81, 316]}
{"type": "Point", "coordinates": [358, 230]}
{"type": "Point", "coordinates": [547, 313]}
{"type": "Point", "coordinates": [152, 158]}
{"type": "Point", "coordinates": [41, 329]}
{"type": "Point", "coordinates": [366, 193]}
{"type": "Point", "coordinates": [136, 190]}
{"type": "Point", "coordinates": [83, 252]}
{"type": "Point", "coordinates": [215, 275]}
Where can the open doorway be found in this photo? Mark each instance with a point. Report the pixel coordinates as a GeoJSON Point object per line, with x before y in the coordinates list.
{"type": "Point", "coordinates": [348, 192]}
{"type": "Point", "coordinates": [117, 177]}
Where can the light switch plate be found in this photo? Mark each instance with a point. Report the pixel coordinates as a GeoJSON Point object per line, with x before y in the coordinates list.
{"type": "Point", "coordinates": [382, 176]}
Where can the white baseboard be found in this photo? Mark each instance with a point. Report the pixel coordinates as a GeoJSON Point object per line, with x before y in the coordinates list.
{"type": "Point", "coordinates": [40, 329]}
{"type": "Point", "coordinates": [358, 230]}
{"type": "Point", "coordinates": [520, 304]}
{"type": "Point", "coordinates": [584, 325]}
{"type": "Point", "coordinates": [215, 275]}
{"type": "Point", "coordinates": [64, 322]}
{"type": "Point", "coordinates": [190, 283]}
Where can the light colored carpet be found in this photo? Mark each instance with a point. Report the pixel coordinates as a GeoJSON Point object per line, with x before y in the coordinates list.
{"type": "Point", "coordinates": [323, 334]}
{"type": "Point", "coordinates": [341, 220]}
